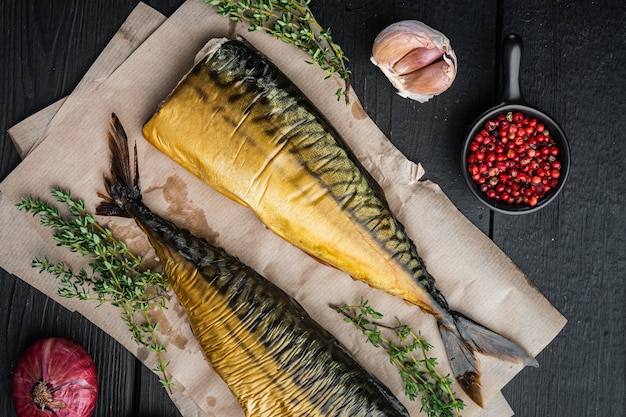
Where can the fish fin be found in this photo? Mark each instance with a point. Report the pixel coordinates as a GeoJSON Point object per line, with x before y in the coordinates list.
{"type": "Point", "coordinates": [110, 208]}
{"type": "Point", "coordinates": [122, 183]}
{"type": "Point", "coordinates": [463, 363]}
{"type": "Point", "coordinates": [471, 337]}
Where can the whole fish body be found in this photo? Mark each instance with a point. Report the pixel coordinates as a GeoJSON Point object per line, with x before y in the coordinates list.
{"type": "Point", "coordinates": [236, 122]}
{"type": "Point", "coordinates": [274, 357]}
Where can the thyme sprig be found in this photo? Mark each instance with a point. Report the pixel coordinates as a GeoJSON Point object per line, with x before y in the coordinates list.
{"type": "Point", "coordinates": [117, 275]}
{"type": "Point", "coordinates": [409, 353]}
{"type": "Point", "coordinates": [292, 22]}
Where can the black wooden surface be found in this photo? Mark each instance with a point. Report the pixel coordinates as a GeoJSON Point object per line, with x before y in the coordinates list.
{"type": "Point", "coordinates": [574, 250]}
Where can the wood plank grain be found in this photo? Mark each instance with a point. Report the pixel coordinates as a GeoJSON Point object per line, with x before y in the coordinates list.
{"type": "Point", "coordinates": [31, 316]}
{"type": "Point", "coordinates": [48, 48]}
{"type": "Point", "coordinates": [150, 398]}
{"type": "Point", "coordinates": [575, 250]}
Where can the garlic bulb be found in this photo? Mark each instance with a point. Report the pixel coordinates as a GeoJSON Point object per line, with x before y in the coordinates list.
{"type": "Point", "coordinates": [417, 59]}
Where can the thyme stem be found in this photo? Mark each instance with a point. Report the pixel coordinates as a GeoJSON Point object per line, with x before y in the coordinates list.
{"type": "Point", "coordinates": [292, 22]}
{"type": "Point", "coordinates": [117, 277]}
{"type": "Point", "coordinates": [418, 371]}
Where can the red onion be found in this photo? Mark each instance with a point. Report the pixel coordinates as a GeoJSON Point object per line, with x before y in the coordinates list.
{"type": "Point", "coordinates": [55, 377]}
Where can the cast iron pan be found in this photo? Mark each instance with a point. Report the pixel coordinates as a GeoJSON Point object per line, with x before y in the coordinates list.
{"type": "Point", "coordinates": [513, 101]}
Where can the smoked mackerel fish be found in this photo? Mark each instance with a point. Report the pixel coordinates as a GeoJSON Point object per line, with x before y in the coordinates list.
{"type": "Point", "coordinates": [239, 124]}
{"type": "Point", "coordinates": [275, 358]}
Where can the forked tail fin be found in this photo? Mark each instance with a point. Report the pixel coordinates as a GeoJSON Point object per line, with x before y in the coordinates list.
{"type": "Point", "coordinates": [471, 337]}
{"type": "Point", "coordinates": [121, 184]}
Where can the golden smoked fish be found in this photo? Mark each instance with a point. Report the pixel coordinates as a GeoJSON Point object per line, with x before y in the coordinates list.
{"type": "Point", "coordinates": [274, 357]}
{"type": "Point", "coordinates": [239, 124]}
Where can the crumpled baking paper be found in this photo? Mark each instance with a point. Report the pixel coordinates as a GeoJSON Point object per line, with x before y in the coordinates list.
{"type": "Point", "coordinates": [65, 146]}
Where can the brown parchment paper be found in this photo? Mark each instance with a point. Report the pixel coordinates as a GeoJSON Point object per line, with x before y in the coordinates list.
{"type": "Point", "coordinates": [476, 277]}
{"type": "Point", "coordinates": [139, 24]}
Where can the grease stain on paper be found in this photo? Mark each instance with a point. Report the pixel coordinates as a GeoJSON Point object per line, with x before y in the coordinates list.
{"type": "Point", "coordinates": [181, 210]}
{"type": "Point", "coordinates": [136, 241]}
{"type": "Point", "coordinates": [211, 402]}
{"type": "Point", "coordinates": [142, 354]}
{"type": "Point", "coordinates": [175, 337]}
{"type": "Point", "coordinates": [358, 112]}
{"type": "Point", "coordinates": [179, 309]}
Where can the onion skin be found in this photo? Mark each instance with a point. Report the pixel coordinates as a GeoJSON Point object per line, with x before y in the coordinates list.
{"type": "Point", "coordinates": [70, 377]}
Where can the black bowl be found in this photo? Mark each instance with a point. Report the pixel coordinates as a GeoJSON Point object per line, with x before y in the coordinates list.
{"type": "Point", "coordinates": [512, 101]}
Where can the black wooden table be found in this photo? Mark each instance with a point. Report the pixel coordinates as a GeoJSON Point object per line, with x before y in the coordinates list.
{"type": "Point", "coordinates": [574, 251]}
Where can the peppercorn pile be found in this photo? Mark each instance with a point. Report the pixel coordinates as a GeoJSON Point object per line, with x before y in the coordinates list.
{"type": "Point", "coordinates": [514, 159]}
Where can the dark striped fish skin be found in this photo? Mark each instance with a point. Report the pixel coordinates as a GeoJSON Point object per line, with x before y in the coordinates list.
{"type": "Point", "coordinates": [270, 149]}
{"type": "Point", "coordinates": [239, 124]}
{"type": "Point", "coordinates": [274, 357]}
{"type": "Point", "coordinates": [281, 107]}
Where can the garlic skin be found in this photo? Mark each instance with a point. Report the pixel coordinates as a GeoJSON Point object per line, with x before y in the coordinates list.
{"type": "Point", "coordinates": [417, 59]}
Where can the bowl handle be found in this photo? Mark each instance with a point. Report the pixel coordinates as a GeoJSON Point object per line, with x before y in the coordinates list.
{"type": "Point", "coordinates": [512, 47]}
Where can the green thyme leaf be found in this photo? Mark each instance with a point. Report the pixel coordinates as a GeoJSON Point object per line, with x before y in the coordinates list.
{"type": "Point", "coordinates": [292, 22]}
{"type": "Point", "coordinates": [408, 353]}
{"type": "Point", "coordinates": [117, 276]}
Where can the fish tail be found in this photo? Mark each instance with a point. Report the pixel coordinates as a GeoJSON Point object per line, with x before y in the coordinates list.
{"type": "Point", "coordinates": [122, 184]}
{"type": "Point", "coordinates": [467, 337]}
